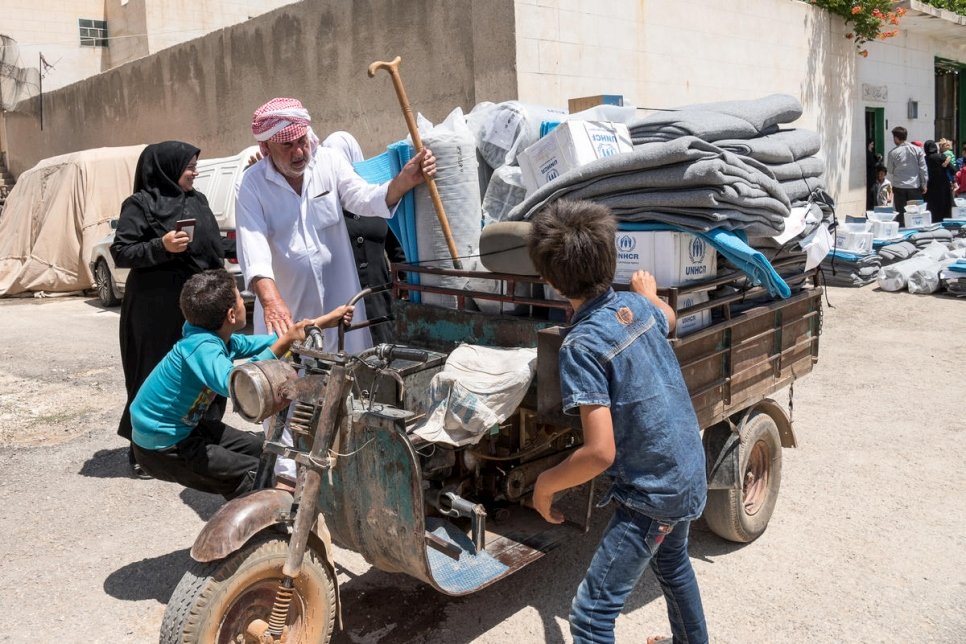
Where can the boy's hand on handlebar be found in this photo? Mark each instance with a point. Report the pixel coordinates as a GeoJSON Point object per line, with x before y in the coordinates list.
{"type": "Point", "coordinates": [296, 332]}
{"type": "Point", "coordinates": [339, 314]}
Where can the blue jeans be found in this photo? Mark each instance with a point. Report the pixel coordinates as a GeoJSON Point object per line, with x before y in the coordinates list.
{"type": "Point", "coordinates": [630, 542]}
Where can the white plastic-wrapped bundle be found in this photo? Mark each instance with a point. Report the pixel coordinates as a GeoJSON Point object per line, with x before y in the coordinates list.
{"type": "Point", "coordinates": [896, 276]}
{"type": "Point", "coordinates": [929, 281]}
{"type": "Point", "coordinates": [459, 189]}
{"type": "Point", "coordinates": [503, 193]}
{"type": "Point", "coordinates": [503, 130]}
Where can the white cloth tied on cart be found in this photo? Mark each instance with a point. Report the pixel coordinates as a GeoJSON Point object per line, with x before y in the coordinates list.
{"type": "Point", "coordinates": [479, 387]}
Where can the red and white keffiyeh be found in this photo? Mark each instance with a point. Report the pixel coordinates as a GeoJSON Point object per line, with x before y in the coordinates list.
{"type": "Point", "coordinates": [280, 120]}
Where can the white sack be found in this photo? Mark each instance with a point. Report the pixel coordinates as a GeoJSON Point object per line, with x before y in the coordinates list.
{"type": "Point", "coordinates": [895, 276]}
{"type": "Point", "coordinates": [502, 130]}
{"type": "Point", "coordinates": [504, 192]}
{"type": "Point", "coordinates": [479, 387]}
{"type": "Point", "coordinates": [457, 181]}
{"type": "Point", "coordinates": [928, 281]}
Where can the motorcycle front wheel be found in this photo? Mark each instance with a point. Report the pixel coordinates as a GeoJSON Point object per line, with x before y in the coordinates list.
{"type": "Point", "coordinates": [216, 601]}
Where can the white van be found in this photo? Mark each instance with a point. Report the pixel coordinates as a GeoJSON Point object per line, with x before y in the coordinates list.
{"type": "Point", "coordinates": [218, 180]}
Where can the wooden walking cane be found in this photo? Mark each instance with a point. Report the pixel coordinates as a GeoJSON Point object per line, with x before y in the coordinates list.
{"type": "Point", "coordinates": [393, 69]}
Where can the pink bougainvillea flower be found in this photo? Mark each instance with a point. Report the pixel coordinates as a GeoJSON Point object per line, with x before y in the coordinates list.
{"type": "Point", "coordinates": [856, 10]}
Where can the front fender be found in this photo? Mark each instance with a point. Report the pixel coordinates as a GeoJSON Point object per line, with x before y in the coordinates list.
{"type": "Point", "coordinates": [245, 516]}
{"type": "Point", "coordinates": [238, 520]}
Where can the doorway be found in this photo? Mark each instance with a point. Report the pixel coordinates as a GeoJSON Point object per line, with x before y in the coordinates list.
{"type": "Point", "coordinates": [949, 111]}
{"type": "Point", "coordinates": [875, 132]}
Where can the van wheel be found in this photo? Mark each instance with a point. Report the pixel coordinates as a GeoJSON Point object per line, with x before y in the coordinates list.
{"type": "Point", "coordinates": [742, 514]}
{"type": "Point", "coordinates": [215, 602]}
{"type": "Point", "coordinates": [105, 285]}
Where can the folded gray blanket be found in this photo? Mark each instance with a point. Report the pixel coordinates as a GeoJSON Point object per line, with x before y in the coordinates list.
{"type": "Point", "coordinates": [798, 190]}
{"type": "Point", "coordinates": [716, 121]}
{"type": "Point", "coordinates": [801, 169]}
{"type": "Point", "coordinates": [926, 237]}
{"type": "Point", "coordinates": [686, 181]}
{"type": "Point", "coordinates": [897, 252]}
{"type": "Point", "coordinates": [784, 146]}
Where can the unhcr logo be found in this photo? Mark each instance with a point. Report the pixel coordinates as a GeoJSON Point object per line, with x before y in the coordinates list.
{"type": "Point", "coordinates": [696, 250]}
{"type": "Point", "coordinates": [606, 150]}
{"type": "Point", "coordinates": [626, 243]}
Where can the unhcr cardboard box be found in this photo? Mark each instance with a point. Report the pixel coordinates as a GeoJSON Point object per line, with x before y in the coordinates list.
{"type": "Point", "coordinates": [673, 258]}
{"type": "Point", "coordinates": [571, 145]}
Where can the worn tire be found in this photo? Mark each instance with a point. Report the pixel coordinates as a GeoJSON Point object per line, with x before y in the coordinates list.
{"type": "Point", "coordinates": [215, 601]}
{"type": "Point", "coordinates": [104, 283]}
{"type": "Point", "coordinates": [742, 514]}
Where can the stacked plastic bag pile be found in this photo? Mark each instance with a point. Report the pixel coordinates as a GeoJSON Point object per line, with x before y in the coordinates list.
{"type": "Point", "coordinates": [922, 273]}
{"type": "Point", "coordinates": [710, 176]}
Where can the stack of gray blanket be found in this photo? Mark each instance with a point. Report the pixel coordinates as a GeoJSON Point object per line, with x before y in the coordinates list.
{"type": "Point", "coordinates": [685, 181]}
{"type": "Point", "coordinates": [897, 252]}
{"type": "Point", "coordinates": [749, 129]}
{"type": "Point", "coordinates": [847, 269]}
{"type": "Point", "coordinates": [934, 233]}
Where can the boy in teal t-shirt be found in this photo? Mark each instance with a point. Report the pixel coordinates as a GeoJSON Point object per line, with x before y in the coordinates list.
{"type": "Point", "coordinates": [173, 441]}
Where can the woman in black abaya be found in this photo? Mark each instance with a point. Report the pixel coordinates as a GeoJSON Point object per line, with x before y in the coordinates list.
{"type": "Point", "coordinates": [939, 198]}
{"type": "Point", "coordinates": [161, 260]}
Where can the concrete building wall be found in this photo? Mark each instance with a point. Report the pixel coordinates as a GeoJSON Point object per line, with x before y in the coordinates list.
{"type": "Point", "coordinates": [136, 28]}
{"type": "Point", "coordinates": [663, 53]}
{"type": "Point", "coordinates": [50, 27]}
{"type": "Point", "coordinates": [455, 53]}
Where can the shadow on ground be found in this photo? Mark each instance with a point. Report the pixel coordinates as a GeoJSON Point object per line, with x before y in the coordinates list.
{"type": "Point", "coordinates": [378, 606]}
{"type": "Point", "coordinates": [153, 578]}
{"type": "Point", "coordinates": [107, 464]}
{"type": "Point", "coordinates": [204, 504]}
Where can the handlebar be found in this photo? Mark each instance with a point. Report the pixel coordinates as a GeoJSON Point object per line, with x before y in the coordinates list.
{"type": "Point", "coordinates": [342, 327]}
{"type": "Point", "coordinates": [390, 352]}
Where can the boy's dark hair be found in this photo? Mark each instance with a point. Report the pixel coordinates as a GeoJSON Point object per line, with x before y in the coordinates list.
{"type": "Point", "coordinates": [881, 168]}
{"type": "Point", "coordinates": [900, 133]}
{"type": "Point", "coordinates": [572, 246]}
{"type": "Point", "coordinates": [206, 298]}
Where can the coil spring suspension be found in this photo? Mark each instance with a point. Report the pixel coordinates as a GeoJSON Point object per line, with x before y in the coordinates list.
{"type": "Point", "coordinates": [300, 422]}
{"type": "Point", "coordinates": [283, 598]}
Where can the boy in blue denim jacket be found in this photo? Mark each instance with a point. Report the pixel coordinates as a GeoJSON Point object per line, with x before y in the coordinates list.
{"type": "Point", "coordinates": [618, 371]}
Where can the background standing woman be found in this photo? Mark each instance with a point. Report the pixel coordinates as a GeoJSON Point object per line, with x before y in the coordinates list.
{"type": "Point", "coordinates": [938, 194]}
{"type": "Point", "coordinates": [373, 245]}
{"type": "Point", "coordinates": [161, 260]}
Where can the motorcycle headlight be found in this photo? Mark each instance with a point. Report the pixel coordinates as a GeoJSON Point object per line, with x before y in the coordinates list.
{"type": "Point", "coordinates": [254, 388]}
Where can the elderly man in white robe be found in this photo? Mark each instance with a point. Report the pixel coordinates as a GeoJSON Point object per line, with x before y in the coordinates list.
{"type": "Point", "coordinates": [293, 247]}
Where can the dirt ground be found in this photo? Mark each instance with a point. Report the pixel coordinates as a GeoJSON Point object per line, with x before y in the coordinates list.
{"type": "Point", "coordinates": [866, 544]}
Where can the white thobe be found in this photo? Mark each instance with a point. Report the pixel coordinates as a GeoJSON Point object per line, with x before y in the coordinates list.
{"type": "Point", "coordinates": [301, 242]}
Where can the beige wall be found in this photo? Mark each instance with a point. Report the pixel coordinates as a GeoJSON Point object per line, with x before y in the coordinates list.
{"type": "Point", "coordinates": [662, 53]}
{"type": "Point", "coordinates": [136, 28]}
{"type": "Point", "coordinates": [50, 27]}
{"type": "Point", "coordinates": [455, 53]}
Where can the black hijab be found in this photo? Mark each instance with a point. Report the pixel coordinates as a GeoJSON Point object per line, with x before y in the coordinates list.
{"type": "Point", "coordinates": [930, 147]}
{"type": "Point", "coordinates": [156, 190]}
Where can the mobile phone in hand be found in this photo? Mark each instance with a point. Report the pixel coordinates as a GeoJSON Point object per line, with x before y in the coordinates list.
{"type": "Point", "coordinates": [188, 226]}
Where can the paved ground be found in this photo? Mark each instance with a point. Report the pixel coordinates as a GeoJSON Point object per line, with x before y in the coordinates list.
{"type": "Point", "coordinates": [866, 544]}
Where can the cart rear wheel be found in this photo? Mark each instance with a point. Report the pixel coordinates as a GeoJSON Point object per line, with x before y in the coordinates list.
{"type": "Point", "coordinates": [215, 602]}
{"type": "Point", "coordinates": [742, 514]}
{"type": "Point", "coordinates": [104, 283]}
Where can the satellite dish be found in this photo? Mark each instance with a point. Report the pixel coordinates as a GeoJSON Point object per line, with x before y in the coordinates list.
{"type": "Point", "coordinates": [16, 83]}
